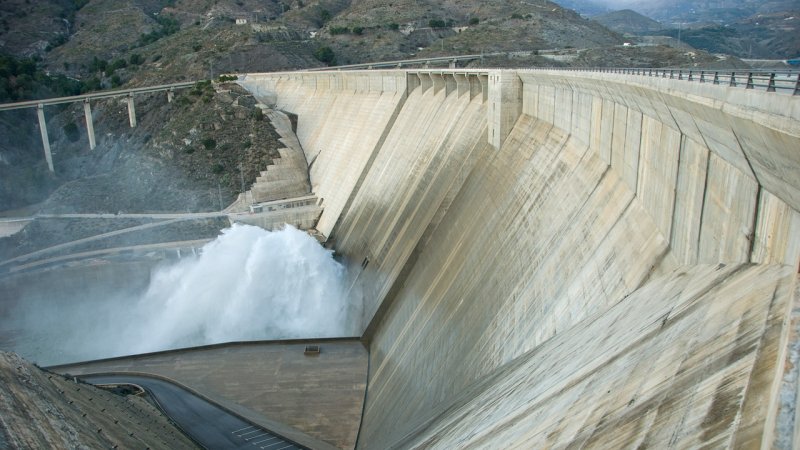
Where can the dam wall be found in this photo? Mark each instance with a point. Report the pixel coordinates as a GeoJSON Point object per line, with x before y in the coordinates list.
{"type": "Point", "coordinates": [546, 258]}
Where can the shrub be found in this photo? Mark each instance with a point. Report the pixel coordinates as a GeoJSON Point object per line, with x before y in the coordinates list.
{"type": "Point", "coordinates": [136, 59]}
{"type": "Point", "coordinates": [116, 81]}
{"type": "Point", "coordinates": [217, 169]}
{"type": "Point", "coordinates": [326, 55]}
{"type": "Point", "coordinates": [437, 23]}
{"type": "Point", "coordinates": [339, 30]}
{"type": "Point", "coordinates": [474, 21]}
{"type": "Point", "coordinates": [258, 114]}
{"type": "Point", "coordinates": [98, 65]}
{"type": "Point", "coordinates": [72, 132]}
{"type": "Point", "coordinates": [118, 64]}
{"type": "Point", "coordinates": [393, 26]}
{"type": "Point", "coordinates": [169, 26]}
{"type": "Point", "coordinates": [209, 143]}
{"type": "Point", "coordinates": [225, 78]}
{"type": "Point", "coordinates": [358, 30]}
{"type": "Point", "coordinates": [324, 15]}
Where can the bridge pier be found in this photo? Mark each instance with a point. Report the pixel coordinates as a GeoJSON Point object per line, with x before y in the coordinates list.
{"type": "Point", "coordinates": [170, 95]}
{"type": "Point", "coordinates": [453, 64]}
{"type": "Point", "coordinates": [87, 112]}
{"type": "Point", "coordinates": [45, 139]}
{"type": "Point", "coordinates": [131, 111]}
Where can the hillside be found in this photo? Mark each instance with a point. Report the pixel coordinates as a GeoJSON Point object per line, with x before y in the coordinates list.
{"type": "Point", "coordinates": [767, 36]}
{"type": "Point", "coordinates": [388, 29]}
{"type": "Point", "coordinates": [43, 410]}
{"type": "Point", "coordinates": [671, 12]}
{"type": "Point", "coordinates": [628, 21]}
{"type": "Point", "coordinates": [182, 156]}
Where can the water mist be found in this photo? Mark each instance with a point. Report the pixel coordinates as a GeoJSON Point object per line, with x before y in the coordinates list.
{"type": "Point", "coordinates": [248, 284]}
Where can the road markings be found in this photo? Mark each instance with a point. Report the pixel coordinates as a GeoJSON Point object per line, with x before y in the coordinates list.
{"type": "Point", "coordinates": [250, 432]}
{"type": "Point", "coordinates": [265, 440]}
{"type": "Point", "coordinates": [242, 429]}
{"type": "Point", "coordinates": [258, 436]}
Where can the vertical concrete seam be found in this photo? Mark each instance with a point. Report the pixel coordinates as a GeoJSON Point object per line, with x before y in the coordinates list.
{"type": "Point", "coordinates": [639, 150]}
{"type": "Point", "coordinates": [702, 204]}
{"type": "Point", "coordinates": [756, 214]}
{"type": "Point", "coordinates": [681, 150]}
{"type": "Point", "coordinates": [746, 158]}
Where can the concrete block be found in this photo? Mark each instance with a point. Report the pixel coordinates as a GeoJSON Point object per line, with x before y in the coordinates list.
{"type": "Point", "coordinates": [729, 211]}
{"type": "Point", "coordinates": [505, 105]}
{"type": "Point", "coordinates": [689, 195]}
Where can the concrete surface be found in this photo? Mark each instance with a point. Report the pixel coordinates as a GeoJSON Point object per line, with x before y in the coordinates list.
{"type": "Point", "coordinates": [12, 226]}
{"type": "Point", "coordinates": [206, 423]}
{"type": "Point", "coordinates": [493, 219]}
{"type": "Point", "coordinates": [313, 400]}
{"type": "Point", "coordinates": [287, 177]}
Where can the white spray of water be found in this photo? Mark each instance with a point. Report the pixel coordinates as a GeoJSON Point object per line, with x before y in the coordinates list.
{"type": "Point", "coordinates": [248, 284]}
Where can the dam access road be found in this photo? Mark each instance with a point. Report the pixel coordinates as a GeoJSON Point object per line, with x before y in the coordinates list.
{"type": "Point", "coordinates": [550, 259]}
{"type": "Point", "coordinates": [206, 423]}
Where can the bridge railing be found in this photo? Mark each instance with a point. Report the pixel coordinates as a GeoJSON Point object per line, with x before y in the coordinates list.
{"type": "Point", "coordinates": [769, 80]}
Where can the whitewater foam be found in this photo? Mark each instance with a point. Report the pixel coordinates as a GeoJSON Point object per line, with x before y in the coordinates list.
{"type": "Point", "coordinates": [248, 284]}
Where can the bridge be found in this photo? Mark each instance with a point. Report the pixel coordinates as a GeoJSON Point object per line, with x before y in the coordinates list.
{"type": "Point", "coordinates": [87, 109]}
{"type": "Point", "coordinates": [589, 258]}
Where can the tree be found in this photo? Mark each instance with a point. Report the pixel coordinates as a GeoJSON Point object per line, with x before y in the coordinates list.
{"type": "Point", "coordinates": [326, 55]}
{"type": "Point", "coordinates": [135, 59]}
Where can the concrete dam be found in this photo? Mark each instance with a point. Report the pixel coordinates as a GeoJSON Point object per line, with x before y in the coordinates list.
{"type": "Point", "coordinates": [553, 259]}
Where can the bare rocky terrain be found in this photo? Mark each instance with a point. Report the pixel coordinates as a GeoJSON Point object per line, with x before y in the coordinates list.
{"type": "Point", "coordinates": [39, 409]}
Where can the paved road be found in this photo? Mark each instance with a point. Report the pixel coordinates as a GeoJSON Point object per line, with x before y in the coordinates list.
{"type": "Point", "coordinates": [206, 423]}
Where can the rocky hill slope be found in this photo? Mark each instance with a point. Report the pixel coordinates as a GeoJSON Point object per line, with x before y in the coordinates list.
{"type": "Point", "coordinates": [628, 21]}
{"type": "Point", "coordinates": [43, 410]}
{"type": "Point", "coordinates": [387, 29]}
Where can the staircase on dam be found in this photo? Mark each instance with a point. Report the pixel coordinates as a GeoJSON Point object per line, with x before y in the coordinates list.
{"type": "Point", "coordinates": [562, 258]}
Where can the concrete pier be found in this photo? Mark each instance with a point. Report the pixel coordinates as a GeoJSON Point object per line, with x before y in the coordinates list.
{"type": "Point", "coordinates": [87, 112]}
{"type": "Point", "coordinates": [45, 139]}
{"type": "Point", "coordinates": [131, 111]}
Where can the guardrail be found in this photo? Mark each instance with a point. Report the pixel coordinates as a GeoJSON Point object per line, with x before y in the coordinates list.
{"type": "Point", "coordinates": [405, 62]}
{"type": "Point", "coordinates": [769, 80]}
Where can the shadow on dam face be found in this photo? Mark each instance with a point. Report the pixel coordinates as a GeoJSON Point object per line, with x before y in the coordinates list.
{"type": "Point", "coordinates": [248, 284]}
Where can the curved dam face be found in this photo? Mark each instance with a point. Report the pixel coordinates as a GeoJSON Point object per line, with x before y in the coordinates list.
{"type": "Point", "coordinates": [552, 259]}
